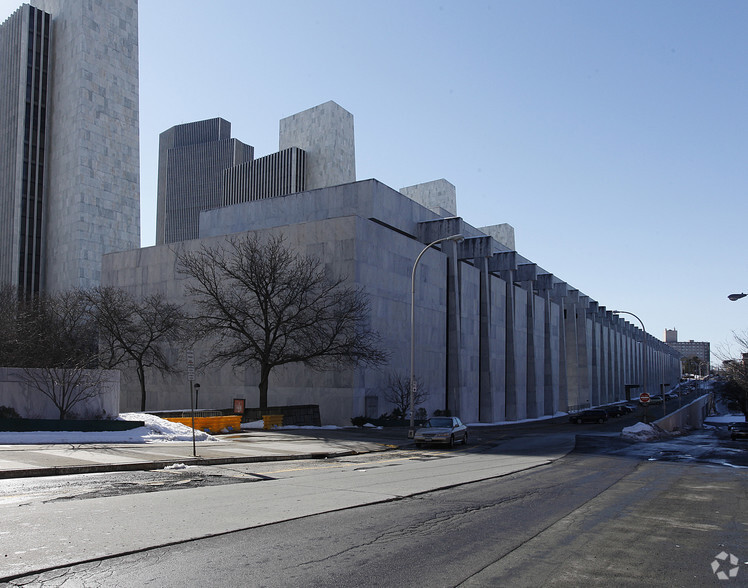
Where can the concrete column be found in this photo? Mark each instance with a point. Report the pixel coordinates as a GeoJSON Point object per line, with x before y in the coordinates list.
{"type": "Point", "coordinates": [505, 264]}
{"type": "Point", "coordinates": [527, 275]}
{"type": "Point", "coordinates": [454, 387]}
{"type": "Point", "coordinates": [485, 387]}
{"type": "Point", "coordinates": [551, 345]}
{"type": "Point", "coordinates": [595, 372]}
{"type": "Point", "coordinates": [558, 295]}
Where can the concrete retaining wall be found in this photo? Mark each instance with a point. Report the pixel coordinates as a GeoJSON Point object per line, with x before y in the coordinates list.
{"type": "Point", "coordinates": [690, 416]}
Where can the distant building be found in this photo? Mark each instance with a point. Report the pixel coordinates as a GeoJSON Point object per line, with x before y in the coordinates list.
{"type": "Point", "coordinates": [689, 350]}
{"type": "Point", "coordinates": [69, 145]}
{"type": "Point", "coordinates": [191, 161]}
{"type": "Point", "coordinates": [201, 167]}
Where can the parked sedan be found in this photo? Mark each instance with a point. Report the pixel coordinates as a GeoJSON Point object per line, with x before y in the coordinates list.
{"type": "Point", "coordinates": [738, 430]}
{"type": "Point", "coordinates": [447, 430]}
{"type": "Point", "coordinates": [616, 410]}
{"type": "Point", "coordinates": [593, 415]}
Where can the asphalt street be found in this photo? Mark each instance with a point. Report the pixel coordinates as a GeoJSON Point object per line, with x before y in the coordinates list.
{"type": "Point", "coordinates": [582, 520]}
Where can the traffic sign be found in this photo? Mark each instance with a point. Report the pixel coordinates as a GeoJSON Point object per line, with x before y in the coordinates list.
{"type": "Point", "coordinates": [190, 365]}
{"type": "Point", "coordinates": [644, 397]}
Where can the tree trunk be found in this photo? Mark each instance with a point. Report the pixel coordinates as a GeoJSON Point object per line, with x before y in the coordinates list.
{"type": "Point", "coordinates": [264, 377]}
{"type": "Point", "coordinates": [141, 379]}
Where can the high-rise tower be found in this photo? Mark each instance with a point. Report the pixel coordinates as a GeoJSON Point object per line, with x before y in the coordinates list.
{"type": "Point", "coordinates": [191, 160]}
{"type": "Point", "coordinates": [69, 154]}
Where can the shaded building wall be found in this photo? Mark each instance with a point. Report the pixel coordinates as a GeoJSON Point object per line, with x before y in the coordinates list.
{"type": "Point", "coordinates": [25, 71]}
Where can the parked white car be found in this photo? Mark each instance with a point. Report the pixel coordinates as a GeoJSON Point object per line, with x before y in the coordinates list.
{"type": "Point", "coordinates": [446, 430]}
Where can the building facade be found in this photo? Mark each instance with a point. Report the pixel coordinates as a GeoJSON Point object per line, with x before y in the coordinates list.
{"type": "Point", "coordinates": [696, 355]}
{"type": "Point", "coordinates": [69, 142]}
{"type": "Point", "coordinates": [497, 337]}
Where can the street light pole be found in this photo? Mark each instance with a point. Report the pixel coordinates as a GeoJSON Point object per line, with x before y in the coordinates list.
{"type": "Point", "coordinates": [457, 238]}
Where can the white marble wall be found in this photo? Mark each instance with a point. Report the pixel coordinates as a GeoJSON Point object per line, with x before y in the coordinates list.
{"type": "Point", "coordinates": [325, 132]}
{"type": "Point", "coordinates": [93, 174]}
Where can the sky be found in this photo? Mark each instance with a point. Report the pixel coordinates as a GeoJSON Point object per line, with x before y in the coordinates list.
{"type": "Point", "coordinates": [613, 136]}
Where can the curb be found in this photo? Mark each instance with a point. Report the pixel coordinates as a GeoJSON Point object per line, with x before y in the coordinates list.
{"type": "Point", "coordinates": [161, 464]}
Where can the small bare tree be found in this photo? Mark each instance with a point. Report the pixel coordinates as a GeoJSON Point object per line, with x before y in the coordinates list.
{"type": "Point", "coordinates": [261, 304]}
{"type": "Point", "coordinates": [398, 393]}
{"type": "Point", "coordinates": [135, 331]}
{"type": "Point", "coordinates": [58, 350]}
{"type": "Point", "coordinates": [65, 387]}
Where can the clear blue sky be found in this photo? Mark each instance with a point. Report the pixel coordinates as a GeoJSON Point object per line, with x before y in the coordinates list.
{"type": "Point", "coordinates": [612, 135]}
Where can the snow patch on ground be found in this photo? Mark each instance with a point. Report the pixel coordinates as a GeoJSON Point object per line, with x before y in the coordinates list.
{"type": "Point", "coordinates": [643, 432]}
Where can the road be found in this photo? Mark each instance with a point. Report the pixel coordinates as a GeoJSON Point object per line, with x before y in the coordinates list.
{"type": "Point", "coordinates": [440, 517]}
{"type": "Point", "coordinates": [580, 521]}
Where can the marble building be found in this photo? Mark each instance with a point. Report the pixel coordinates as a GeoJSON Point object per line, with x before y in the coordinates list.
{"type": "Point", "coordinates": [497, 337]}
{"type": "Point", "coordinates": [69, 145]}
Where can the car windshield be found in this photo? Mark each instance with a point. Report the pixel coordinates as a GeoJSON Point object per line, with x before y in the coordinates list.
{"type": "Point", "coordinates": [440, 422]}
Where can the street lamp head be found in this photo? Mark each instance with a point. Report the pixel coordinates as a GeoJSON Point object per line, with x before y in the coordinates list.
{"type": "Point", "coordinates": [460, 238]}
{"type": "Point", "coordinates": [735, 297]}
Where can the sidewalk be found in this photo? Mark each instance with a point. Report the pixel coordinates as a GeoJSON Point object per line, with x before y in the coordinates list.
{"type": "Point", "coordinates": [22, 461]}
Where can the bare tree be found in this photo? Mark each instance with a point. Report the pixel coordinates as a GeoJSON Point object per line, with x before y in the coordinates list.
{"type": "Point", "coordinates": [66, 387]}
{"type": "Point", "coordinates": [736, 370]}
{"type": "Point", "coordinates": [58, 350]}
{"type": "Point", "coordinates": [263, 305]}
{"type": "Point", "coordinates": [135, 331]}
{"type": "Point", "coordinates": [398, 393]}
{"type": "Point", "coordinates": [10, 337]}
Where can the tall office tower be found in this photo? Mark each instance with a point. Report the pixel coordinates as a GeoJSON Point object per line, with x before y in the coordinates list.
{"type": "Point", "coordinates": [69, 154]}
{"type": "Point", "coordinates": [191, 160]}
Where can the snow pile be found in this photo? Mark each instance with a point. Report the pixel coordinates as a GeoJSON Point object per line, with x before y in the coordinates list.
{"type": "Point", "coordinates": [643, 432]}
{"type": "Point", "coordinates": [178, 466]}
{"type": "Point", "coordinates": [158, 430]}
{"type": "Point", "coordinates": [253, 425]}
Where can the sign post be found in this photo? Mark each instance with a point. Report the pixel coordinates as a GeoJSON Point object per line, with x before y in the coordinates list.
{"type": "Point", "coordinates": [644, 400]}
{"type": "Point", "coordinates": [191, 378]}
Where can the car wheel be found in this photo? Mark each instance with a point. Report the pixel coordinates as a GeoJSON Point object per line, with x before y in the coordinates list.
{"type": "Point", "coordinates": [464, 439]}
{"type": "Point", "coordinates": [579, 421]}
{"type": "Point", "coordinates": [601, 421]}
{"type": "Point", "coordinates": [452, 441]}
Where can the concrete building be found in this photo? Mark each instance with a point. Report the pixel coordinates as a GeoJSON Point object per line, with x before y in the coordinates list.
{"type": "Point", "coordinates": [201, 167]}
{"type": "Point", "coordinates": [497, 336]}
{"type": "Point", "coordinates": [701, 350]}
{"type": "Point", "coordinates": [69, 151]}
